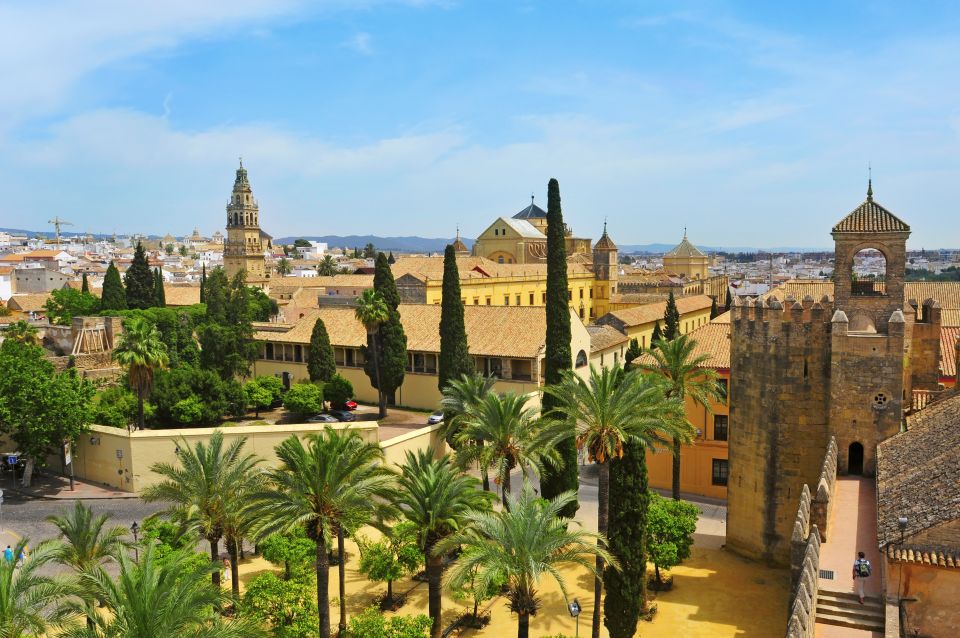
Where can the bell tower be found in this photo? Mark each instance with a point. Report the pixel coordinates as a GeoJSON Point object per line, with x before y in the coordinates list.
{"type": "Point", "coordinates": [243, 248]}
{"type": "Point", "coordinates": [605, 273]}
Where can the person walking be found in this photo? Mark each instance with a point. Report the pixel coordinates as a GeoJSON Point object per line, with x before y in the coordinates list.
{"type": "Point", "coordinates": [8, 554]}
{"type": "Point", "coordinates": [861, 572]}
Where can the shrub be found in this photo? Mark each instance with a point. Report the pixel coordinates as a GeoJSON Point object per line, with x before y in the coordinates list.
{"type": "Point", "coordinates": [168, 538]}
{"type": "Point", "coordinates": [188, 411]}
{"type": "Point", "coordinates": [274, 385]}
{"type": "Point", "coordinates": [372, 624]}
{"type": "Point", "coordinates": [337, 390]}
{"type": "Point", "coordinates": [178, 384]}
{"type": "Point", "coordinates": [304, 398]}
{"type": "Point", "coordinates": [117, 407]}
{"type": "Point", "coordinates": [288, 606]}
{"type": "Point", "coordinates": [258, 397]}
{"type": "Point", "coordinates": [294, 551]}
{"type": "Point", "coordinates": [235, 398]}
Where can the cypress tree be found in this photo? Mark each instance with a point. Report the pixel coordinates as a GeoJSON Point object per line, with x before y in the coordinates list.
{"type": "Point", "coordinates": [626, 588]}
{"type": "Point", "coordinates": [391, 338]}
{"type": "Point", "coordinates": [139, 281]}
{"type": "Point", "coordinates": [203, 284]}
{"type": "Point", "coordinates": [159, 293]}
{"type": "Point", "coordinates": [657, 334]}
{"type": "Point", "coordinates": [633, 351]}
{"type": "Point", "coordinates": [671, 319]}
{"type": "Point", "coordinates": [85, 285]}
{"type": "Point", "coordinates": [113, 296]}
{"type": "Point", "coordinates": [713, 308]}
{"type": "Point", "coordinates": [729, 301]}
{"type": "Point", "coordinates": [557, 356]}
{"type": "Point", "coordinates": [320, 361]}
{"type": "Point", "coordinates": [455, 358]}
{"type": "Point", "coordinates": [390, 259]}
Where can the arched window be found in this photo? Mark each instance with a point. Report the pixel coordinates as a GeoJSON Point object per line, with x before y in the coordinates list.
{"type": "Point", "coordinates": [868, 273]}
{"type": "Point", "coordinates": [581, 359]}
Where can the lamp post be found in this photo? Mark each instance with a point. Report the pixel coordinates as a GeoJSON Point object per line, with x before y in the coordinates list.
{"type": "Point", "coordinates": [574, 608]}
{"type": "Point", "coordinates": [135, 529]}
{"type": "Point", "coordinates": [902, 525]}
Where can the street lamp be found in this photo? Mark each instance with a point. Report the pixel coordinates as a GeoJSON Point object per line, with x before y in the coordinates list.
{"type": "Point", "coordinates": [135, 529]}
{"type": "Point", "coordinates": [574, 608]}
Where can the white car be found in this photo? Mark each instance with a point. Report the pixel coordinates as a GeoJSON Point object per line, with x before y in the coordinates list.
{"type": "Point", "coordinates": [322, 418]}
{"type": "Point", "coordinates": [436, 417]}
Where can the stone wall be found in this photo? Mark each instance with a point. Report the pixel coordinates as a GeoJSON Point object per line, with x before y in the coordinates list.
{"type": "Point", "coordinates": [820, 507]}
{"type": "Point", "coordinates": [803, 603]}
{"type": "Point", "coordinates": [925, 349]}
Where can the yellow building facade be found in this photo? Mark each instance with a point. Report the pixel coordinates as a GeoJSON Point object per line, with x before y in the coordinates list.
{"type": "Point", "coordinates": [522, 238]}
{"type": "Point", "coordinates": [639, 322]}
{"type": "Point", "coordinates": [687, 260]}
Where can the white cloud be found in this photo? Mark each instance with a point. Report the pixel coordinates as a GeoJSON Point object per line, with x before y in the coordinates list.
{"type": "Point", "coordinates": [361, 42]}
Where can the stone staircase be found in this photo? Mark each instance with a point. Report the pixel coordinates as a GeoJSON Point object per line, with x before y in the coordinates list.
{"type": "Point", "coordinates": [844, 610]}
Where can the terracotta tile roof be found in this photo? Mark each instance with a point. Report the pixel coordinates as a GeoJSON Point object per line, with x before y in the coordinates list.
{"type": "Point", "coordinates": [496, 331]}
{"type": "Point", "coordinates": [603, 337]}
{"type": "Point", "coordinates": [41, 254]}
{"type": "Point", "coordinates": [918, 473]}
{"type": "Point", "coordinates": [12, 258]}
{"type": "Point", "coordinates": [950, 317]}
{"type": "Point", "coordinates": [605, 243]}
{"type": "Point", "coordinates": [685, 249]}
{"type": "Point", "coordinates": [424, 268]}
{"type": "Point", "coordinates": [654, 311]}
{"type": "Point", "coordinates": [948, 351]}
{"type": "Point", "coordinates": [345, 281]}
{"type": "Point", "coordinates": [933, 557]}
{"type": "Point", "coordinates": [28, 303]}
{"type": "Point", "coordinates": [870, 217]}
{"type": "Point", "coordinates": [181, 295]}
{"type": "Point", "coordinates": [712, 340]}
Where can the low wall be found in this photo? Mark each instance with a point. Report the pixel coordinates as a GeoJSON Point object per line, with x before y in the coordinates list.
{"type": "Point", "coordinates": [820, 507]}
{"type": "Point", "coordinates": [803, 604]}
{"type": "Point", "coordinates": [395, 450]}
{"type": "Point", "coordinates": [122, 460]}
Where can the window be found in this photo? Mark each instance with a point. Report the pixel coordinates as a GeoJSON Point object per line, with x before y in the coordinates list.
{"type": "Point", "coordinates": [724, 388]}
{"type": "Point", "coordinates": [581, 359]}
{"type": "Point", "coordinates": [591, 293]}
{"type": "Point", "coordinates": [615, 358]}
{"type": "Point", "coordinates": [720, 427]}
{"type": "Point", "coordinates": [476, 301]}
{"type": "Point", "coordinates": [581, 293]}
{"type": "Point", "coordinates": [500, 259]}
{"type": "Point", "coordinates": [506, 300]}
{"type": "Point", "coordinates": [488, 301]}
{"type": "Point", "coordinates": [518, 300]}
{"type": "Point", "coordinates": [531, 298]}
{"type": "Point", "coordinates": [543, 298]}
{"type": "Point", "coordinates": [496, 231]}
{"type": "Point", "coordinates": [721, 471]}
{"type": "Point", "coordinates": [643, 341]}
{"type": "Point", "coordinates": [569, 295]}
{"type": "Point", "coordinates": [269, 351]}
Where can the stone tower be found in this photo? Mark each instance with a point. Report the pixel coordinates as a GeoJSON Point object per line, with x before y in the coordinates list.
{"type": "Point", "coordinates": [244, 246]}
{"type": "Point", "coordinates": [606, 272]}
{"type": "Point", "coordinates": [805, 370]}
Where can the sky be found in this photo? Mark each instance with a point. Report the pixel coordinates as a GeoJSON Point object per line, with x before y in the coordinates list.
{"type": "Point", "coordinates": [749, 123]}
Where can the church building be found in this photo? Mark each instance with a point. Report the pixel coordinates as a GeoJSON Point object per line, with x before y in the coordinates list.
{"type": "Point", "coordinates": [246, 243]}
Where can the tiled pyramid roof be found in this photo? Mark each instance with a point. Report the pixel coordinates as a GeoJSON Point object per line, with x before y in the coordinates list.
{"type": "Point", "coordinates": [871, 217]}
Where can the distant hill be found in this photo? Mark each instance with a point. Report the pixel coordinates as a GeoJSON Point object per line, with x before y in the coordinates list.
{"type": "Point", "coordinates": [411, 244]}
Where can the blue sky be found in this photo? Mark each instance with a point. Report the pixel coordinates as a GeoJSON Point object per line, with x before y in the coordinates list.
{"type": "Point", "coordinates": [749, 123]}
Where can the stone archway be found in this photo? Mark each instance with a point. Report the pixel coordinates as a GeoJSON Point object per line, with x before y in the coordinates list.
{"type": "Point", "coordinates": [855, 458]}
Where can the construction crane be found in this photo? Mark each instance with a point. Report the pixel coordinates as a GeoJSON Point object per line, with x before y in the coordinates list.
{"type": "Point", "coordinates": [57, 223]}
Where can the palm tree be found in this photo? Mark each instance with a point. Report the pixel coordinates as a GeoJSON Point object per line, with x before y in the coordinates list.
{"type": "Point", "coordinates": [457, 395]}
{"type": "Point", "coordinates": [520, 544]}
{"type": "Point", "coordinates": [688, 377]}
{"type": "Point", "coordinates": [372, 312]}
{"type": "Point", "coordinates": [22, 332]}
{"type": "Point", "coordinates": [28, 600]}
{"type": "Point", "coordinates": [331, 484]}
{"type": "Point", "coordinates": [284, 267]}
{"type": "Point", "coordinates": [239, 520]}
{"type": "Point", "coordinates": [155, 598]}
{"type": "Point", "coordinates": [201, 489]}
{"type": "Point", "coordinates": [84, 540]}
{"type": "Point", "coordinates": [502, 433]}
{"type": "Point", "coordinates": [142, 351]}
{"type": "Point", "coordinates": [606, 411]}
{"type": "Point", "coordinates": [436, 498]}
{"type": "Point", "coordinates": [327, 267]}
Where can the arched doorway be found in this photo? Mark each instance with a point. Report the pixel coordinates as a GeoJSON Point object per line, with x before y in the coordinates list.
{"type": "Point", "coordinates": [855, 458]}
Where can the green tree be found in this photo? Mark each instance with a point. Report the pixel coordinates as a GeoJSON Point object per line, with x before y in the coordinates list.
{"type": "Point", "coordinates": [304, 399]}
{"type": "Point", "coordinates": [337, 391]}
{"type": "Point", "coordinates": [520, 544]}
{"type": "Point", "coordinates": [657, 334]}
{"type": "Point", "coordinates": [22, 332]}
{"type": "Point", "coordinates": [686, 372]}
{"type": "Point", "coordinates": [475, 592]}
{"type": "Point", "coordinates": [371, 623]}
{"type": "Point", "coordinates": [300, 242]}
{"type": "Point", "coordinates": [139, 282]}
{"type": "Point", "coordinates": [203, 283]}
{"type": "Point", "coordinates": [557, 356]}
{"type": "Point", "coordinates": [373, 312]}
{"type": "Point", "coordinates": [140, 350]}
{"type": "Point", "coordinates": [391, 260]}
{"type": "Point", "coordinates": [671, 319]}
{"type": "Point", "coordinates": [369, 251]}
{"type": "Point", "coordinates": [113, 296]}
{"type": "Point", "coordinates": [437, 499]}
{"type": "Point", "coordinates": [84, 284]}
{"type": "Point", "coordinates": [40, 409]}
{"type": "Point", "coordinates": [226, 338]}
{"type": "Point", "coordinates": [159, 293]}
{"type": "Point", "coordinates": [633, 351]}
{"type": "Point", "coordinates": [116, 406]}
{"type": "Point", "coordinates": [168, 249]}
{"type": "Point", "coordinates": [66, 303]}
{"type": "Point", "coordinates": [333, 482]}
{"type": "Point", "coordinates": [392, 558]}
{"type": "Point", "coordinates": [670, 528]}
{"type": "Point", "coordinates": [202, 487]}
{"type": "Point", "coordinates": [327, 266]}
{"type": "Point", "coordinates": [274, 385]}
{"type": "Point", "coordinates": [84, 539]}
{"type": "Point", "coordinates": [262, 306]}
{"type": "Point", "coordinates": [729, 301]}
{"type": "Point", "coordinates": [284, 267]}
{"type": "Point", "coordinates": [501, 433]}
{"type": "Point", "coordinates": [152, 598]}
{"type": "Point", "coordinates": [286, 606]}
{"type": "Point", "coordinates": [713, 308]}
{"type": "Point", "coordinates": [320, 363]}
{"type": "Point", "coordinates": [608, 410]}
{"type": "Point", "coordinates": [455, 360]}
{"type": "Point", "coordinates": [258, 397]}
{"type": "Point", "coordinates": [239, 519]}
{"type": "Point", "coordinates": [29, 600]}
{"type": "Point", "coordinates": [183, 250]}
{"type": "Point", "coordinates": [293, 550]}
{"type": "Point", "coordinates": [457, 395]}
{"type": "Point", "coordinates": [204, 389]}
{"type": "Point", "coordinates": [390, 341]}
{"type": "Point", "coordinates": [626, 588]}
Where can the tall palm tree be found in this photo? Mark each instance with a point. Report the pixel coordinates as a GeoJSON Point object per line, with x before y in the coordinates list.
{"type": "Point", "coordinates": [155, 598]}
{"type": "Point", "coordinates": [284, 267]}
{"type": "Point", "coordinates": [201, 488]}
{"type": "Point", "coordinates": [688, 377]}
{"type": "Point", "coordinates": [240, 520]}
{"type": "Point", "coordinates": [85, 541]}
{"type": "Point", "coordinates": [436, 498]}
{"type": "Point", "coordinates": [333, 482]}
{"type": "Point", "coordinates": [519, 545]}
{"type": "Point", "coordinates": [327, 267]}
{"type": "Point", "coordinates": [501, 432]}
{"type": "Point", "coordinates": [457, 395]}
{"type": "Point", "coordinates": [141, 350]}
{"type": "Point", "coordinates": [22, 332]}
{"type": "Point", "coordinates": [372, 312]}
{"type": "Point", "coordinates": [607, 410]}
{"type": "Point", "coordinates": [28, 599]}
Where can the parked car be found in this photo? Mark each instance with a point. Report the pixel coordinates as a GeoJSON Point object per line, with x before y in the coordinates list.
{"type": "Point", "coordinates": [436, 417]}
{"type": "Point", "coordinates": [342, 415]}
{"type": "Point", "coordinates": [351, 404]}
{"type": "Point", "coordinates": [323, 418]}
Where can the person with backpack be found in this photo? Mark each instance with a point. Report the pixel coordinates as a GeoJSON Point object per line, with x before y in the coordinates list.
{"type": "Point", "coordinates": [861, 571]}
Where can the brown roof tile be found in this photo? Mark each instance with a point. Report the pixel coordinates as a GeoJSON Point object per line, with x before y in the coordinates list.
{"type": "Point", "coordinates": [28, 303]}
{"type": "Point", "coordinates": [180, 295]}
{"type": "Point", "coordinates": [870, 217]}
{"type": "Point", "coordinates": [948, 350]}
{"type": "Point", "coordinates": [654, 311]}
{"type": "Point", "coordinates": [603, 337]}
